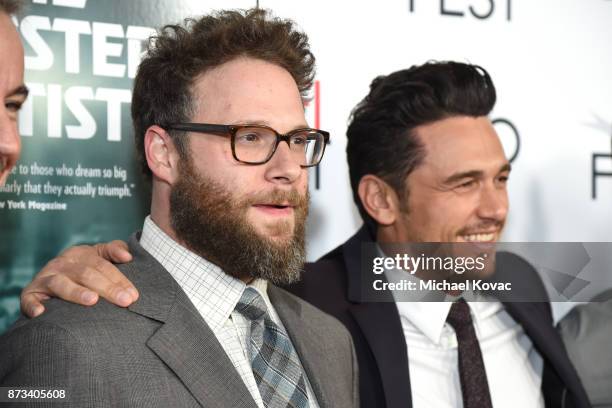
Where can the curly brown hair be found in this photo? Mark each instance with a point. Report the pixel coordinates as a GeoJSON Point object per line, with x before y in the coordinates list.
{"type": "Point", "coordinates": [178, 54]}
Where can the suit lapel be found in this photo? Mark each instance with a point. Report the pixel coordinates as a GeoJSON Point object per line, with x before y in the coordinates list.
{"type": "Point", "coordinates": [382, 329]}
{"type": "Point", "coordinates": [307, 345]}
{"type": "Point", "coordinates": [380, 324]}
{"type": "Point", "coordinates": [559, 374]}
{"type": "Point", "coordinates": [184, 342]}
{"type": "Point", "coordinates": [536, 319]}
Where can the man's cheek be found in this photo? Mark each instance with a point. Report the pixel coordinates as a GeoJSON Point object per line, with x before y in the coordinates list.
{"type": "Point", "coordinates": [302, 183]}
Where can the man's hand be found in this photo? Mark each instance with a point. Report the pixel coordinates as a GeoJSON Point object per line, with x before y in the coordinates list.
{"type": "Point", "coordinates": [79, 275]}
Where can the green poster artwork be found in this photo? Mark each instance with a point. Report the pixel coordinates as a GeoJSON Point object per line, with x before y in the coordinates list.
{"type": "Point", "coordinates": [77, 180]}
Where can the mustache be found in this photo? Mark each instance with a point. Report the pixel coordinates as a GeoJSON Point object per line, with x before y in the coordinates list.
{"type": "Point", "coordinates": [279, 197]}
{"type": "Point", "coordinates": [485, 225]}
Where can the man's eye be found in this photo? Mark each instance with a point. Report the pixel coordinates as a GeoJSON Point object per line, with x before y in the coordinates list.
{"type": "Point", "coordinates": [13, 106]}
{"type": "Point", "coordinates": [299, 140]}
{"type": "Point", "coordinates": [466, 185]}
{"type": "Point", "coordinates": [249, 138]}
{"type": "Point", "coordinates": [503, 179]}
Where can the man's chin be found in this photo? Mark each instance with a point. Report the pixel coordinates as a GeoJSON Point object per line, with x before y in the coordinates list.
{"type": "Point", "coordinates": [276, 231]}
{"type": "Point", "coordinates": [277, 239]}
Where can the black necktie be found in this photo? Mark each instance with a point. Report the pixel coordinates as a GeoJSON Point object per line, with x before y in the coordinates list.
{"type": "Point", "coordinates": [474, 385]}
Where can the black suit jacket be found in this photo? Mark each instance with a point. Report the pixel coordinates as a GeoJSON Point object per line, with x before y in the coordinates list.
{"type": "Point", "coordinates": [333, 285]}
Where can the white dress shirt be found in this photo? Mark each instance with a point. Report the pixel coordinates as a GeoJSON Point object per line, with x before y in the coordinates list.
{"type": "Point", "coordinates": [513, 366]}
{"type": "Point", "coordinates": [215, 295]}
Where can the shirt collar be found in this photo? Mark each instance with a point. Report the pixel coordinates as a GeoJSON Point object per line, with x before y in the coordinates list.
{"type": "Point", "coordinates": [430, 317]}
{"type": "Point", "coordinates": [213, 292]}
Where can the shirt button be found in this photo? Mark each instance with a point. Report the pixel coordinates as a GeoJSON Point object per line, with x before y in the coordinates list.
{"type": "Point", "coordinates": [448, 341]}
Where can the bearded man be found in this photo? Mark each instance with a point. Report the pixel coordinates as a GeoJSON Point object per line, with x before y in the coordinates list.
{"type": "Point", "coordinates": [221, 133]}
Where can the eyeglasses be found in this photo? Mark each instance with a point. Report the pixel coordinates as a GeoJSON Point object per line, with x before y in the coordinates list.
{"type": "Point", "coordinates": [255, 144]}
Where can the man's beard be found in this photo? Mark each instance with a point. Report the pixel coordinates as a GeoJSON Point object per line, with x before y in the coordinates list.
{"type": "Point", "coordinates": [213, 224]}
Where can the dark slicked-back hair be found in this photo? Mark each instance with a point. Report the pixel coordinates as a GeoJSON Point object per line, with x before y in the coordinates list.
{"type": "Point", "coordinates": [180, 53]}
{"type": "Point", "coordinates": [381, 135]}
{"type": "Point", "coordinates": [11, 6]}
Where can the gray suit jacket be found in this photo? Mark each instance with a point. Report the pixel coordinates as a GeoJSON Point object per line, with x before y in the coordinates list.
{"type": "Point", "coordinates": [159, 352]}
{"type": "Point", "coordinates": [587, 334]}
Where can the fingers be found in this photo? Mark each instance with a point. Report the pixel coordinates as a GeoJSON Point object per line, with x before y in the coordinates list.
{"type": "Point", "coordinates": [116, 288]}
{"type": "Point", "coordinates": [81, 284]}
{"type": "Point", "coordinates": [58, 285]}
{"type": "Point", "coordinates": [31, 303]}
{"type": "Point", "coordinates": [106, 280]}
{"type": "Point", "coordinates": [86, 266]}
{"type": "Point", "coordinates": [65, 288]}
{"type": "Point", "coordinates": [114, 251]}
{"type": "Point", "coordinates": [80, 275]}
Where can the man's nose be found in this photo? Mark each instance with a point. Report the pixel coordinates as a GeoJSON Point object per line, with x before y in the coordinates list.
{"type": "Point", "coordinates": [283, 167]}
{"type": "Point", "coordinates": [493, 203]}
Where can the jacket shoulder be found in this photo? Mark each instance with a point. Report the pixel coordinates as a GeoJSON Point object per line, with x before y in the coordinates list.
{"type": "Point", "coordinates": [315, 317]}
{"type": "Point", "coordinates": [73, 317]}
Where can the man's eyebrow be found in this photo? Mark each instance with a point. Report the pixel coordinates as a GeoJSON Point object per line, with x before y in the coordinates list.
{"type": "Point", "coordinates": [463, 175]}
{"type": "Point", "coordinates": [505, 167]}
{"type": "Point", "coordinates": [266, 123]}
{"type": "Point", "coordinates": [20, 90]}
{"type": "Point", "coordinates": [251, 122]}
{"type": "Point", "coordinates": [474, 174]}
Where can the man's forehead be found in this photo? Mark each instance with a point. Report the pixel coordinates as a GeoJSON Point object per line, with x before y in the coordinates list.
{"type": "Point", "coordinates": [249, 91]}
{"type": "Point", "coordinates": [461, 144]}
{"type": "Point", "coordinates": [246, 72]}
{"type": "Point", "coordinates": [8, 31]}
{"type": "Point", "coordinates": [11, 52]}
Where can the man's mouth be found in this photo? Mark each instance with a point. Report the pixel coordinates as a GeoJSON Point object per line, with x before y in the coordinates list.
{"type": "Point", "coordinates": [480, 237]}
{"type": "Point", "coordinates": [275, 208]}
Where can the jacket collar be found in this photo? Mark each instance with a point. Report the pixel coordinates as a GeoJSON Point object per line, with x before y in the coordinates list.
{"type": "Point", "coordinates": [184, 342]}
{"type": "Point", "coordinates": [379, 321]}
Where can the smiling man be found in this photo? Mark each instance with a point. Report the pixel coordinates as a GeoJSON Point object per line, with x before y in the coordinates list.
{"type": "Point", "coordinates": [456, 194]}
{"type": "Point", "coordinates": [12, 89]}
{"type": "Point", "coordinates": [221, 132]}
{"type": "Point", "coordinates": [426, 165]}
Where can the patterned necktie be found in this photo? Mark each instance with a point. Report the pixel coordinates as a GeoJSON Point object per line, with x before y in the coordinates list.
{"type": "Point", "coordinates": [474, 385]}
{"type": "Point", "coordinates": [275, 363]}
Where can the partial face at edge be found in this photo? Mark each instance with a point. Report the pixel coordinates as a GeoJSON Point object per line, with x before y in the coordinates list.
{"type": "Point", "coordinates": [12, 94]}
{"type": "Point", "coordinates": [459, 192]}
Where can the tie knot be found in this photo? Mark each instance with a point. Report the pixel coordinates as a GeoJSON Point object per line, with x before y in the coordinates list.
{"type": "Point", "coordinates": [459, 315]}
{"type": "Point", "coordinates": [251, 305]}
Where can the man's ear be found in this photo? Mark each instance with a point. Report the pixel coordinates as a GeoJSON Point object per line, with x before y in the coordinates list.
{"type": "Point", "coordinates": [162, 156]}
{"type": "Point", "coordinates": [379, 199]}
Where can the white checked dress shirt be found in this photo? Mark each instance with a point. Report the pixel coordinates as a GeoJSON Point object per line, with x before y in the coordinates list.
{"type": "Point", "coordinates": [513, 366]}
{"type": "Point", "coordinates": [215, 295]}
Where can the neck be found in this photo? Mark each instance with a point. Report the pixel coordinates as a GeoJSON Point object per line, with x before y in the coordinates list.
{"type": "Point", "coordinates": [160, 210]}
{"type": "Point", "coordinates": [389, 234]}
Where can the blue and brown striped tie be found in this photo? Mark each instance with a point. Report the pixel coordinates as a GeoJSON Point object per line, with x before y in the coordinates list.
{"type": "Point", "coordinates": [275, 363]}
